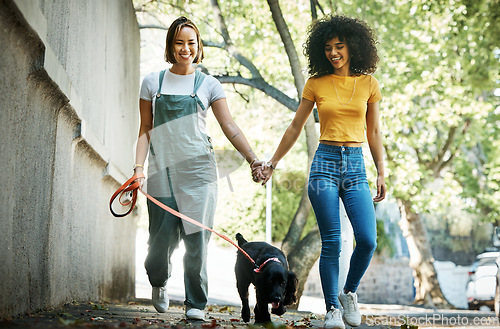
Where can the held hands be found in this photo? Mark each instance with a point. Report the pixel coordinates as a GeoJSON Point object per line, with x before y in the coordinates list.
{"type": "Point", "coordinates": [261, 171]}
{"type": "Point", "coordinates": [256, 167]}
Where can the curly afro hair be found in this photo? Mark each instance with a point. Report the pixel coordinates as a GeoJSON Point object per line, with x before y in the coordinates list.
{"type": "Point", "coordinates": [358, 36]}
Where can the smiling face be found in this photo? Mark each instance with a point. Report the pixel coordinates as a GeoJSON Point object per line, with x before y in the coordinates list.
{"type": "Point", "coordinates": [337, 53]}
{"type": "Point", "coordinates": [185, 46]}
{"type": "Point", "coordinates": [183, 43]}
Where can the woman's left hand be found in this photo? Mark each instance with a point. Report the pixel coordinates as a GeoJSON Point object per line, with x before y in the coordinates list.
{"type": "Point", "coordinates": [381, 189]}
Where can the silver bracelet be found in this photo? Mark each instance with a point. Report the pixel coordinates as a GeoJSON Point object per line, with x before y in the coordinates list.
{"type": "Point", "coordinates": [270, 164]}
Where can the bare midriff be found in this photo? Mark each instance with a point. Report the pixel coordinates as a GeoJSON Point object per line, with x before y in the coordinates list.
{"type": "Point", "coordinates": [347, 144]}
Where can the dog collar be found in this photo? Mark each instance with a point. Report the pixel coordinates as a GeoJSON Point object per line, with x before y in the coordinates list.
{"type": "Point", "coordinates": [274, 259]}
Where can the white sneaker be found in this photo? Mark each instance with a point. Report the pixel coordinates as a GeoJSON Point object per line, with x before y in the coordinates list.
{"type": "Point", "coordinates": [349, 302]}
{"type": "Point", "coordinates": [160, 299]}
{"type": "Point", "coordinates": [195, 314]}
{"type": "Point", "coordinates": [333, 319]}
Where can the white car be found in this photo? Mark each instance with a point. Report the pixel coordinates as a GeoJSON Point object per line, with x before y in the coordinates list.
{"type": "Point", "coordinates": [482, 283]}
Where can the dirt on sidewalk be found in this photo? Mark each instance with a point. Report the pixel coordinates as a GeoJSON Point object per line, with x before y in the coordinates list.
{"type": "Point", "coordinates": [140, 313]}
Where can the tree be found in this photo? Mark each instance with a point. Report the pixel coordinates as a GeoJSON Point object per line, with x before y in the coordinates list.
{"type": "Point", "coordinates": [432, 116]}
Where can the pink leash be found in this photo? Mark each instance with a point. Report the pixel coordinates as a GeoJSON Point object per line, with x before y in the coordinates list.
{"type": "Point", "coordinates": [132, 186]}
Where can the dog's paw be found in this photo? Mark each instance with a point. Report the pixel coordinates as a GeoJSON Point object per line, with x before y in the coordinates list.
{"type": "Point", "coordinates": [245, 314]}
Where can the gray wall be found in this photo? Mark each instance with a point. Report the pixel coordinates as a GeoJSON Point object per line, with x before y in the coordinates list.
{"type": "Point", "coordinates": [69, 75]}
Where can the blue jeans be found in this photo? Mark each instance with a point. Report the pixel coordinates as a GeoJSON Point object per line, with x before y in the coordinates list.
{"type": "Point", "coordinates": [338, 171]}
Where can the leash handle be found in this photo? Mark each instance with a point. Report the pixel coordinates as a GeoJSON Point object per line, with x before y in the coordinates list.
{"type": "Point", "coordinates": [132, 185]}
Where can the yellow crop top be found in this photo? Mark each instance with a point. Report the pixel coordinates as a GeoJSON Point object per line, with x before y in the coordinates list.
{"type": "Point", "coordinates": [337, 122]}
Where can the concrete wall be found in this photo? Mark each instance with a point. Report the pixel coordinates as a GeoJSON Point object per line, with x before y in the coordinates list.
{"type": "Point", "coordinates": [390, 281]}
{"type": "Point", "coordinates": [69, 79]}
{"type": "Point", "coordinates": [387, 282]}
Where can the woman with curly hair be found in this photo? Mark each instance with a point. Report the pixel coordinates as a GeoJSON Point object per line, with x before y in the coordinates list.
{"type": "Point", "coordinates": [342, 54]}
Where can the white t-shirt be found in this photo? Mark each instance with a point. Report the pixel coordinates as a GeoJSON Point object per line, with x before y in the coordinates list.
{"type": "Point", "coordinates": [175, 84]}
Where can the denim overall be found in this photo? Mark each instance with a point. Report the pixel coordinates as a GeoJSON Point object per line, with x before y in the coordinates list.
{"type": "Point", "coordinates": [182, 175]}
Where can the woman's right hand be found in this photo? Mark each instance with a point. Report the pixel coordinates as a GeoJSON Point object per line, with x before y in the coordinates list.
{"type": "Point", "coordinates": [267, 171]}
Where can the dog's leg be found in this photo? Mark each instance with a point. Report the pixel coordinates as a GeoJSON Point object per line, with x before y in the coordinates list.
{"type": "Point", "coordinates": [262, 313]}
{"type": "Point", "coordinates": [291, 289]}
{"type": "Point", "coordinates": [242, 286]}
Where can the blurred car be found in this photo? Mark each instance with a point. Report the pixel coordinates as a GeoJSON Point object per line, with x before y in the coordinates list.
{"type": "Point", "coordinates": [482, 284]}
{"type": "Point", "coordinates": [497, 289]}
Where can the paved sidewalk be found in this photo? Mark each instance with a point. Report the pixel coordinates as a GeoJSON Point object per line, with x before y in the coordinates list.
{"type": "Point", "coordinates": [223, 310]}
{"type": "Point", "coordinates": [140, 313]}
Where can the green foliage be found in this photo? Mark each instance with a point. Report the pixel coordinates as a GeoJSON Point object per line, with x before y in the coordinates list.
{"type": "Point", "coordinates": [479, 172]}
{"type": "Point", "coordinates": [458, 232]}
{"type": "Point", "coordinates": [242, 208]}
{"type": "Point", "coordinates": [385, 245]}
{"type": "Point", "coordinates": [287, 192]}
{"type": "Point", "coordinates": [438, 71]}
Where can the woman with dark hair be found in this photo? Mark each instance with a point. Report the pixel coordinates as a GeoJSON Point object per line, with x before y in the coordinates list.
{"type": "Point", "coordinates": [342, 54]}
{"type": "Point", "coordinates": [182, 171]}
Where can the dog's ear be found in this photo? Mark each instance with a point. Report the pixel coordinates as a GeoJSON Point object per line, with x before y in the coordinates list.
{"type": "Point", "coordinates": [291, 289]}
{"type": "Point", "coordinates": [241, 240]}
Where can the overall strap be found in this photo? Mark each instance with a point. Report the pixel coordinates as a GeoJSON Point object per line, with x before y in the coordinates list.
{"type": "Point", "coordinates": [162, 74]}
{"type": "Point", "coordinates": [198, 80]}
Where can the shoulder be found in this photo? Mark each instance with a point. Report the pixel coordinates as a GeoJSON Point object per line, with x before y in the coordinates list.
{"type": "Point", "coordinates": [368, 80]}
{"type": "Point", "coordinates": [374, 84]}
{"type": "Point", "coordinates": [151, 76]}
{"type": "Point", "coordinates": [212, 84]}
{"type": "Point", "coordinates": [149, 85]}
{"type": "Point", "coordinates": [319, 79]}
{"type": "Point", "coordinates": [373, 79]}
{"type": "Point", "coordinates": [151, 79]}
{"type": "Point", "coordinates": [373, 88]}
{"type": "Point", "coordinates": [210, 80]}
{"type": "Point", "coordinates": [311, 81]}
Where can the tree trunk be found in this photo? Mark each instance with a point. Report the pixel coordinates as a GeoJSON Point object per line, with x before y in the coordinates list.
{"type": "Point", "coordinates": [299, 221]}
{"type": "Point", "coordinates": [428, 291]}
{"type": "Point", "coordinates": [302, 254]}
{"type": "Point", "coordinates": [302, 258]}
